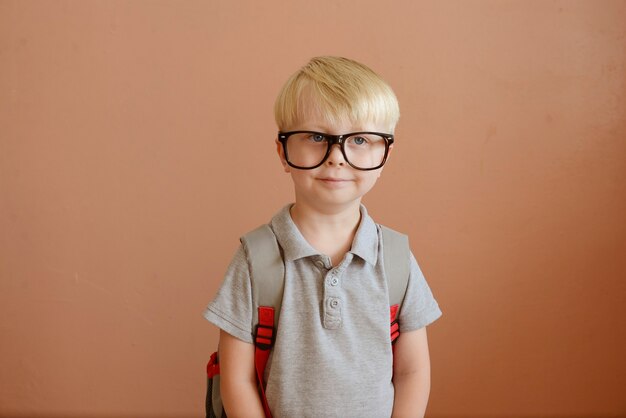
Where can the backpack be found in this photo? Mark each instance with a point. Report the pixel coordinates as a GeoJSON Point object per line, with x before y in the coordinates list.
{"type": "Point", "coordinates": [267, 274]}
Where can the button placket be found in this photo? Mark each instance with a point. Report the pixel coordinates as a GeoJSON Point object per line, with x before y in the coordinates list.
{"type": "Point", "coordinates": [332, 315]}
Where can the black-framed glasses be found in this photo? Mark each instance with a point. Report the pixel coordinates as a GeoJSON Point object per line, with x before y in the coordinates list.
{"type": "Point", "coordinates": [306, 150]}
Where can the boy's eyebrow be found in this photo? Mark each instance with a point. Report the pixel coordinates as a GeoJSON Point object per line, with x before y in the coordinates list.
{"type": "Point", "coordinates": [328, 130]}
{"type": "Point", "coordinates": [317, 128]}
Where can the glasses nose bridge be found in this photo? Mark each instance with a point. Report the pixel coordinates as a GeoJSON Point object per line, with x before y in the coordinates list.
{"type": "Point", "coordinates": [330, 154]}
{"type": "Point", "coordinates": [335, 140]}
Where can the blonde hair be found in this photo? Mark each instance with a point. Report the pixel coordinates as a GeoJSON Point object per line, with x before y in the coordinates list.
{"type": "Point", "coordinates": [339, 89]}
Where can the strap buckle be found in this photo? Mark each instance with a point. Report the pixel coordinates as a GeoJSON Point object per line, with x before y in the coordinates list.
{"type": "Point", "coordinates": [264, 339]}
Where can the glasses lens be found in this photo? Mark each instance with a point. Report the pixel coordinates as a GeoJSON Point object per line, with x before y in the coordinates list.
{"type": "Point", "coordinates": [365, 150]}
{"type": "Point", "coordinates": [306, 149]}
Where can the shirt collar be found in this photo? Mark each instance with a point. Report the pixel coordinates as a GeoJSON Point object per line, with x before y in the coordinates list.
{"type": "Point", "coordinates": [365, 243]}
{"type": "Point", "coordinates": [291, 241]}
{"type": "Point", "coordinates": [294, 246]}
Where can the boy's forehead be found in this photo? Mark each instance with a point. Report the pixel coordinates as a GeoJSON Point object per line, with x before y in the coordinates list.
{"type": "Point", "coordinates": [312, 115]}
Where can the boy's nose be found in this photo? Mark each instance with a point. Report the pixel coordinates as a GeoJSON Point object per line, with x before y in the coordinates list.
{"type": "Point", "coordinates": [336, 156]}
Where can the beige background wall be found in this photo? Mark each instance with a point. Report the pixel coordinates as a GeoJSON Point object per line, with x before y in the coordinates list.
{"type": "Point", "coordinates": [136, 145]}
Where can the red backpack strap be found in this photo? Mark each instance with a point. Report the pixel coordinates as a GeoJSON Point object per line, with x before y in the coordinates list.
{"type": "Point", "coordinates": [263, 341]}
{"type": "Point", "coordinates": [396, 260]}
{"type": "Point", "coordinates": [213, 366]}
{"type": "Point", "coordinates": [267, 270]}
{"type": "Point", "coordinates": [395, 327]}
{"type": "Point", "coordinates": [267, 273]}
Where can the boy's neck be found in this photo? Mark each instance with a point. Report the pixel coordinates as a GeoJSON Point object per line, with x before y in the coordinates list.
{"type": "Point", "coordinates": [332, 219]}
{"type": "Point", "coordinates": [331, 232]}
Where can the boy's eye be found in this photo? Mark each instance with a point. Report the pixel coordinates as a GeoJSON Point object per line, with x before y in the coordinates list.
{"type": "Point", "coordinates": [317, 137]}
{"type": "Point", "coordinates": [358, 140]}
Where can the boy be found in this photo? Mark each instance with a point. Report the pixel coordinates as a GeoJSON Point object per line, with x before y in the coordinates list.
{"type": "Point", "coordinates": [332, 356]}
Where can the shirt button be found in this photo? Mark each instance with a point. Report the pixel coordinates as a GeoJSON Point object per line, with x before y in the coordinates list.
{"type": "Point", "coordinates": [334, 281]}
{"type": "Point", "coordinates": [334, 303]}
{"type": "Point", "coordinates": [319, 263]}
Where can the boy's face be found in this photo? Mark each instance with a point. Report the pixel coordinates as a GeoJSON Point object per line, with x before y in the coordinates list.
{"type": "Point", "coordinates": [334, 184]}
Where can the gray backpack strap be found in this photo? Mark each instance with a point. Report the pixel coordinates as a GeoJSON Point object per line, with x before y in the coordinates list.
{"type": "Point", "coordinates": [396, 259]}
{"type": "Point", "coordinates": [267, 271]}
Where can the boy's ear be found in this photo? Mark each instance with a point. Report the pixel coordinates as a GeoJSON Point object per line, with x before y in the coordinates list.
{"type": "Point", "coordinates": [281, 155]}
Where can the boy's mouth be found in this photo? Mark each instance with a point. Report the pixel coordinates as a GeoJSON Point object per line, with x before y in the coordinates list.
{"type": "Point", "coordinates": [332, 179]}
{"type": "Point", "coordinates": [334, 182]}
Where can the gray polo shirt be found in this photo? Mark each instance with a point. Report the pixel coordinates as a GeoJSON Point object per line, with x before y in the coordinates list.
{"type": "Point", "coordinates": [332, 356]}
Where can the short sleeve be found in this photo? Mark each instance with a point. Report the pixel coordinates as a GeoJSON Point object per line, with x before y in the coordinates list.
{"type": "Point", "coordinates": [419, 307]}
{"type": "Point", "coordinates": [231, 310]}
